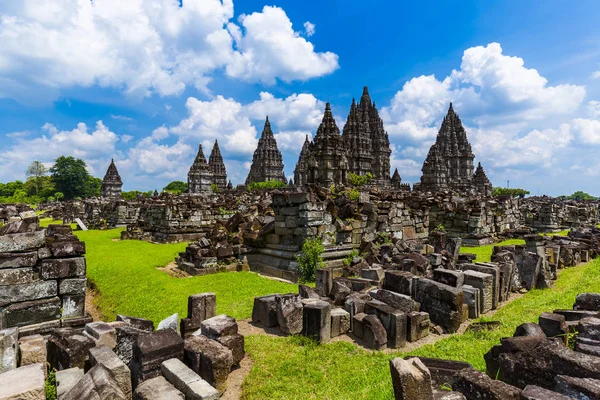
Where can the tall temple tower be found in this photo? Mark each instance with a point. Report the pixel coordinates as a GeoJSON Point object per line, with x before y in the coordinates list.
{"type": "Point", "coordinates": [301, 171]}
{"type": "Point", "coordinates": [112, 183]}
{"type": "Point", "coordinates": [200, 178]}
{"type": "Point", "coordinates": [217, 167]}
{"type": "Point", "coordinates": [267, 163]}
{"type": "Point", "coordinates": [449, 163]}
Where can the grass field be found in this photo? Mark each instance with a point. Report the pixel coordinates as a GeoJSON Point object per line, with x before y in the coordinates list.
{"type": "Point", "coordinates": [128, 282]}
{"type": "Point", "coordinates": [484, 253]}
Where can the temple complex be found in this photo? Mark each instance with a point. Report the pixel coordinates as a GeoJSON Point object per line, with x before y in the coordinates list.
{"type": "Point", "coordinates": [112, 183]}
{"type": "Point", "coordinates": [217, 167]}
{"type": "Point", "coordinates": [449, 163]}
{"type": "Point", "coordinates": [267, 163]}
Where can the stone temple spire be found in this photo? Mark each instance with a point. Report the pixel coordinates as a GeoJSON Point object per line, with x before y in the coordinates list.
{"type": "Point", "coordinates": [267, 162]}
{"type": "Point", "coordinates": [301, 171]}
{"type": "Point", "coordinates": [217, 167]}
{"type": "Point", "coordinates": [112, 183]}
{"type": "Point", "coordinates": [200, 177]}
{"type": "Point", "coordinates": [396, 179]}
{"type": "Point", "coordinates": [481, 181]}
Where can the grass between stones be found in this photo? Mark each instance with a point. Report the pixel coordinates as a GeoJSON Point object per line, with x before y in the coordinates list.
{"type": "Point", "coordinates": [128, 282]}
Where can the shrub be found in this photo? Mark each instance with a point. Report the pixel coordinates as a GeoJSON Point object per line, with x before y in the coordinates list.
{"type": "Point", "coordinates": [310, 259]}
{"type": "Point", "coordinates": [354, 195]}
{"type": "Point", "coordinates": [214, 187]}
{"type": "Point", "coordinates": [512, 192]}
{"type": "Point", "coordinates": [359, 180]}
{"type": "Point", "coordinates": [51, 386]}
{"type": "Point", "coordinates": [266, 185]}
{"type": "Point", "coordinates": [348, 259]}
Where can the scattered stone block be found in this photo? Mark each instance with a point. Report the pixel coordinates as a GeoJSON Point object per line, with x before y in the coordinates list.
{"type": "Point", "coordinates": [576, 315]}
{"type": "Point", "coordinates": [442, 371]}
{"type": "Point", "coordinates": [589, 328]}
{"type": "Point", "coordinates": [22, 383]}
{"type": "Point", "coordinates": [126, 336]}
{"type": "Point", "coordinates": [21, 242]}
{"type": "Point", "coordinates": [235, 343]}
{"type": "Point", "coordinates": [66, 379]}
{"type": "Point", "coordinates": [577, 388]}
{"type": "Point", "coordinates": [187, 381]}
{"type": "Point", "coordinates": [265, 311]}
{"type": "Point", "coordinates": [587, 302]}
{"type": "Point", "coordinates": [417, 325]}
{"type": "Point", "coordinates": [289, 313]}
{"type": "Point", "coordinates": [373, 274]}
{"type": "Point", "coordinates": [340, 322]}
{"type": "Point", "coordinates": [340, 290]}
{"type": "Point", "coordinates": [324, 281]}
{"type": "Point", "coordinates": [101, 333]}
{"type": "Point", "coordinates": [532, 392]}
{"type": "Point", "coordinates": [491, 269]}
{"type": "Point", "coordinates": [157, 389]}
{"type": "Point", "coordinates": [443, 303]}
{"type": "Point", "coordinates": [150, 350]}
{"type": "Point", "coordinates": [553, 325]}
{"type": "Point", "coordinates": [138, 323]}
{"type": "Point", "coordinates": [221, 325]}
{"type": "Point", "coordinates": [483, 282]}
{"type": "Point", "coordinates": [394, 322]}
{"type": "Point", "coordinates": [32, 350]}
{"type": "Point", "coordinates": [477, 385]}
{"type": "Point", "coordinates": [355, 304]}
{"type": "Point", "coordinates": [9, 349]}
{"type": "Point", "coordinates": [200, 307]}
{"type": "Point", "coordinates": [170, 322]}
{"type": "Point", "coordinates": [109, 360]}
{"type": "Point", "coordinates": [357, 325]}
{"type": "Point", "coordinates": [27, 292]}
{"type": "Point", "coordinates": [399, 301]}
{"type": "Point", "coordinates": [529, 329]}
{"type": "Point", "coordinates": [316, 321]}
{"type": "Point", "coordinates": [472, 300]}
{"type": "Point", "coordinates": [30, 312]}
{"type": "Point", "coordinates": [68, 348]}
{"type": "Point", "coordinates": [398, 281]}
{"type": "Point", "coordinates": [449, 277]}
{"type": "Point", "coordinates": [306, 292]}
{"type": "Point", "coordinates": [62, 268]}
{"type": "Point", "coordinates": [411, 379]}
{"type": "Point", "coordinates": [374, 334]}
{"type": "Point", "coordinates": [209, 359]}
{"type": "Point", "coordinates": [97, 383]}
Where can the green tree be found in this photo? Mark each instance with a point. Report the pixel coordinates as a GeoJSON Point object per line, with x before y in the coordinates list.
{"type": "Point", "coordinates": [70, 177]}
{"type": "Point", "coordinates": [176, 187]}
{"type": "Point", "coordinates": [581, 195]}
{"type": "Point", "coordinates": [310, 259]}
{"type": "Point", "coordinates": [59, 196]}
{"type": "Point", "coordinates": [512, 192]}
{"type": "Point", "coordinates": [93, 187]}
{"type": "Point", "coordinates": [9, 189]}
{"type": "Point", "coordinates": [36, 171]}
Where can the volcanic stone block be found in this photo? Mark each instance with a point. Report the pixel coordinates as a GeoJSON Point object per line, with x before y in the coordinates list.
{"type": "Point", "coordinates": [477, 385]}
{"type": "Point", "coordinates": [32, 350]}
{"type": "Point", "coordinates": [355, 304]}
{"type": "Point", "coordinates": [209, 359]}
{"type": "Point", "coordinates": [69, 247]}
{"type": "Point", "coordinates": [109, 360]}
{"type": "Point", "coordinates": [316, 321]}
{"type": "Point", "coordinates": [17, 242]}
{"type": "Point", "coordinates": [587, 346]}
{"type": "Point", "coordinates": [448, 277]}
{"type": "Point", "coordinates": [126, 337]}
{"type": "Point", "coordinates": [374, 334]}
{"type": "Point", "coordinates": [411, 379]}
{"type": "Point", "coordinates": [398, 281]}
{"type": "Point", "coordinates": [577, 388]}
{"type": "Point", "coordinates": [417, 325]}
{"type": "Point", "coordinates": [23, 383]}
{"type": "Point", "coordinates": [66, 379]}
{"type": "Point", "coordinates": [200, 307]}
{"type": "Point", "coordinates": [442, 371]}
{"type": "Point", "coordinates": [235, 343]}
{"type": "Point", "coordinates": [529, 329]}
{"type": "Point", "coordinates": [340, 322]}
{"type": "Point", "coordinates": [373, 274]}
{"type": "Point", "coordinates": [576, 315]}
{"type": "Point", "coordinates": [138, 323]}
{"type": "Point", "coordinates": [340, 291]}
{"type": "Point", "coordinates": [393, 320]}
{"type": "Point", "coordinates": [18, 260]}
{"type": "Point", "coordinates": [532, 392]}
{"type": "Point", "coordinates": [587, 302]}
{"type": "Point", "coordinates": [169, 323]}
{"type": "Point", "coordinates": [27, 291]}
{"type": "Point", "coordinates": [68, 348]}
{"type": "Point", "coordinates": [289, 313]}
{"type": "Point", "coordinates": [17, 276]}
{"type": "Point", "coordinates": [443, 303]}
{"type": "Point", "coordinates": [150, 350]}
{"type": "Point", "coordinates": [221, 325]}
{"type": "Point", "coordinates": [265, 311]}
{"type": "Point", "coordinates": [157, 389]}
{"type": "Point", "coordinates": [324, 281]}
{"type": "Point", "coordinates": [9, 349]}
{"type": "Point", "coordinates": [492, 269]}
{"type": "Point", "coordinates": [30, 312]}
{"type": "Point", "coordinates": [101, 333]}
{"type": "Point", "coordinates": [73, 306]}
{"type": "Point", "coordinates": [529, 269]}
{"type": "Point", "coordinates": [471, 295]}
{"type": "Point", "coordinates": [98, 383]}
{"type": "Point", "coordinates": [62, 268]}
{"type": "Point", "coordinates": [306, 292]}
{"type": "Point", "coordinates": [553, 325]}
{"type": "Point", "coordinates": [357, 324]}
{"type": "Point", "coordinates": [399, 301]}
{"type": "Point", "coordinates": [72, 286]}
{"type": "Point", "coordinates": [187, 381]}
{"type": "Point", "coordinates": [483, 282]}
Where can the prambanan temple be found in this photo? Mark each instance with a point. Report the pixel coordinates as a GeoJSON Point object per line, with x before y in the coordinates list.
{"type": "Point", "coordinates": [362, 147]}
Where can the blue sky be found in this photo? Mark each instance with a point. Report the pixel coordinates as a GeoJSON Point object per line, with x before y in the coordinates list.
{"type": "Point", "coordinates": [147, 81]}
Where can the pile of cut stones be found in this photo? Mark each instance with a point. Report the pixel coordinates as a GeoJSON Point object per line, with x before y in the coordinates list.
{"type": "Point", "coordinates": [127, 358]}
{"type": "Point", "coordinates": [554, 359]}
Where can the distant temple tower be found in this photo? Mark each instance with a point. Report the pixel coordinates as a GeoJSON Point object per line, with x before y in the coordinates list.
{"type": "Point", "coordinates": [112, 183]}
{"type": "Point", "coordinates": [200, 177]}
{"type": "Point", "coordinates": [301, 171]}
{"type": "Point", "coordinates": [481, 181]}
{"type": "Point", "coordinates": [267, 163]}
{"type": "Point", "coordinates": [396, 179]}
{"type": "Point", "coordinates": [217, 167]}
{"type": "Point", "coordinates": [449, 163]}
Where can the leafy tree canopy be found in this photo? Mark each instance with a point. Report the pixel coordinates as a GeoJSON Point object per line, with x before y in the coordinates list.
{"type": "Point", "coordinates": [176, 187]}
{"type": "Point", "coordinates": [72, 179]}
{"type": "Point", "coordinates": [580, 195]}
{"type": "Point", "coordinates": [512, 192]}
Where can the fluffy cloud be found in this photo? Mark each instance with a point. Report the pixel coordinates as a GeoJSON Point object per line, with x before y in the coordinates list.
{"type": "Point", "coordinates": [588, 130]}
{"type": "Point", "coordinates": [309, 28]}
{"type": "Point", "coordinates": [596, 75]}
{"type": "Point", "coordinates": [147, 46]}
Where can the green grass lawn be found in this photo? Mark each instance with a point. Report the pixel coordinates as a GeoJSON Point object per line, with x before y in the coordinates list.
{"type": "Point", "coordinates": [128, 282]}
{"type": "Point", "coordinates": [289, 368]}
{"type": "Point", "coordinates": [484, 253]}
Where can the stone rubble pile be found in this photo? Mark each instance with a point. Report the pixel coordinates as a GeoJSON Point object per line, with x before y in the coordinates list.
{"type": "Point", "coordinates": [127, 358]}
{"type": "Point", "coordinates": [557, 358]}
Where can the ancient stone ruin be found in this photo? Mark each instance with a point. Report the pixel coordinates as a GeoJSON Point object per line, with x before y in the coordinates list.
{"type": "Point", "coordinates": [112, 183]}
{"type": "Point", "coordinates": [203, 175]}
{"type": "Point", "coordinates": [267, 163]}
